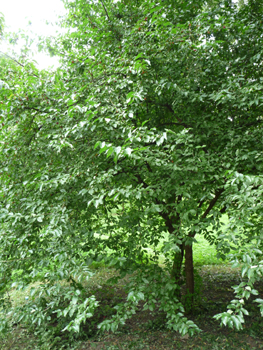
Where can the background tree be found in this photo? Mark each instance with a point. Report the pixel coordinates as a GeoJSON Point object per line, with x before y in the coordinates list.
{"type": "Point", "coordinates": [137, 134]}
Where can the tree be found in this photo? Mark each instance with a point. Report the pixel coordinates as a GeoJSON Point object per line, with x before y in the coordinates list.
{"type": "Point", "coordinates": [134, 139]}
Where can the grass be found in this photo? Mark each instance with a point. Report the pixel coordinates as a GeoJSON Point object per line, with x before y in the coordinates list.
{"type": "Point", "coordinates": [146, 330]}
{"type": "Point", "coordinates": [204, 253]}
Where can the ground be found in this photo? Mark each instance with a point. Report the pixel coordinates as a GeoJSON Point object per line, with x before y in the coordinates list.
{"type": "Point", "coordinates": [146, 330]}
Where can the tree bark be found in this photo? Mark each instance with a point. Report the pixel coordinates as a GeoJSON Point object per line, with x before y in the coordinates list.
{"type": "Point", "coordinates": [189, 277]}
{"type": "Point", "coordinates": [176, 273]}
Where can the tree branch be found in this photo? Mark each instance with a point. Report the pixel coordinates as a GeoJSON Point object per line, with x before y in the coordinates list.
{"type": "Point", "coordinates": [20, 64]}
{"type": "Point", "coordinates": [105, 10]}
{"type": "Point", "coordinates": [212, 203]}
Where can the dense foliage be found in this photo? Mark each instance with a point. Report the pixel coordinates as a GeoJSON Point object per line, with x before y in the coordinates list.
{"type": "Point", "coordinates": [146, 135]}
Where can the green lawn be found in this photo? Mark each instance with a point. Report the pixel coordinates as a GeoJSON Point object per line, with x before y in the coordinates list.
{"type": "Point", "coordinates": [203, 252]}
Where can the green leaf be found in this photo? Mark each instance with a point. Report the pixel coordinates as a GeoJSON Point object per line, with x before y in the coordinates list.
{"type": "Point", "coordinates": [128, 151]}
{"type": "Point", "coordinates": [98, 143]}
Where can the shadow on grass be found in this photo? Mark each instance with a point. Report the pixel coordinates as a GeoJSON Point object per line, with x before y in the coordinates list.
{"type": "Point", "coordinates": [146, 330]}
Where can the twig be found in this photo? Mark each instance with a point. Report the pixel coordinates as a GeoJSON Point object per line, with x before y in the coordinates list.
{"type": "Point", "coordinates": [105, 10]}
{"type": "Point", "coordinates": [13, 59]}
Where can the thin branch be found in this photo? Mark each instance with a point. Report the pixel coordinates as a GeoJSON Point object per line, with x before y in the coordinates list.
{"type": "Point", "coordinates": [223, 210]}
{"type": "Point", "coordinates": [148, 167]}
{"type": "Point", "coordinates": [20, 64]}
{"type": "Point", "coordinates": [212, 203]}
{"type": "Point", "coordinates": [105, 10]}
{"type": "Point", "coordinates": [11, 58]}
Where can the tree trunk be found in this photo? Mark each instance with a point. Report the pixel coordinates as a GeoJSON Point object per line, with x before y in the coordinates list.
{"type": "Point", "coordinates": [189, 277]}
{"type": "Point", "coordinates": [176, 272]}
